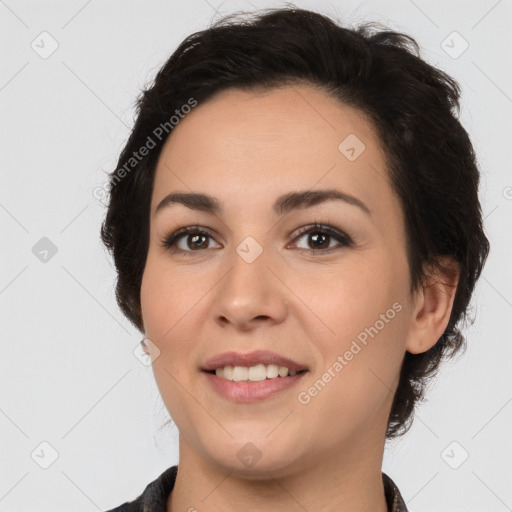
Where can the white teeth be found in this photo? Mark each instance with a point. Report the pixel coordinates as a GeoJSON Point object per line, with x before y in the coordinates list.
{"type": "Point", "coordinates": [253, 373]}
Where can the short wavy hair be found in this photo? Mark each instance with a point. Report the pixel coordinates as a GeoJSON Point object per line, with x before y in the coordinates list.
{"type": "Point", "coordinates": [414, 108]}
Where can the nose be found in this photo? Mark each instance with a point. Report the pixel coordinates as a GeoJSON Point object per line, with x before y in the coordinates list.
{"type": "Point", "coordinates": [251, 293]}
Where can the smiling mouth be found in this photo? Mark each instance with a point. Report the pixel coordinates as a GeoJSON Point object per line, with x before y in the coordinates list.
{"type": "Point", "coordinates": [213, 372]}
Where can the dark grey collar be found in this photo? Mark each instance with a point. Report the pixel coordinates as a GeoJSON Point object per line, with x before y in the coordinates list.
{"type": "Point", "coordinates": [155, 495]}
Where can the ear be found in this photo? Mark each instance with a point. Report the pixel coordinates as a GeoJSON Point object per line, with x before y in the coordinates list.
{"type": "Point", "coordinates": [145, 348]}
{"type": "Point", "coordinates": [433, 306]}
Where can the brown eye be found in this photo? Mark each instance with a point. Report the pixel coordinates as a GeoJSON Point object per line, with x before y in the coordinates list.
{"type": "Point", "coordinates": [320, 236]}
{"type": "Point", "coordinates": [195, 239]}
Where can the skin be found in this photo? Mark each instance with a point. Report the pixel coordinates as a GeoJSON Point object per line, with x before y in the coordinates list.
{"type": "Point", "coordinates": [246, 149]}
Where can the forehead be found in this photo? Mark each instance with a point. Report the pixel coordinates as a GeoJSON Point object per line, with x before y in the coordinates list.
{"type": "Point", "coordinates": [248, 147]}
{"type": "Point", "coordinates": [235, 123]}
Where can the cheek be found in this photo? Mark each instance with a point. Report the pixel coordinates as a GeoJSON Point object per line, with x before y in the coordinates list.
{"type": "Point", "coordinates": [368, 317]}
{"type": "Point", "coordinates": [165, 303]}
{"type": "Point", "coordinates": [362, 346]}
{"type": "Point", "coordinates": [172, 301]}
{"type": "Point", "coordinates": [358, 379]}
{"type": "Point", "coordinates": [166, 296]}
{"type": "Point", "coordinates": [154, 297]}
{"type": "Point", "coordinates": [346, 298]}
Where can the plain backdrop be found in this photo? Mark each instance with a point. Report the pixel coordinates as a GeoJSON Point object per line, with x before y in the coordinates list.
{"type": "Point", "coordinates": [79, 413]}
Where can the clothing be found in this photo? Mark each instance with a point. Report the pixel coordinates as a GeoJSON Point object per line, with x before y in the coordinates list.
{"type": "Point", "coordinates": [154, 497]}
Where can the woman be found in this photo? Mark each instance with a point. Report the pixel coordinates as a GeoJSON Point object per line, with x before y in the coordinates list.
{"type": "Point", "coordinates": [298, 254]}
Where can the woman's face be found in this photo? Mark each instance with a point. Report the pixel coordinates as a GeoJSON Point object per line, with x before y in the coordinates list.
{"type": "Point", "coordinates": [254, 282]}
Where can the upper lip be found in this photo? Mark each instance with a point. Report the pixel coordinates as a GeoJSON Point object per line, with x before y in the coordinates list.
{"type": "Point", "coordinates": [251, 359]}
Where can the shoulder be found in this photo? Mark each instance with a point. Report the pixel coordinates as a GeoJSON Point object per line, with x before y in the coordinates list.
{"type": "Point", "coordinates": [394, 498]}
{"type": "Point", "coordinates": [154, 497]}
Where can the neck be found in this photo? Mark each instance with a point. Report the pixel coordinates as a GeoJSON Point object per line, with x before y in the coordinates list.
{"type": "Point", "coordinates": [347, 478]}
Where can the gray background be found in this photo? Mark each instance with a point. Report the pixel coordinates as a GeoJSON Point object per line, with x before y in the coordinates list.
{"type": "Point", "coordinates": [69, 376]}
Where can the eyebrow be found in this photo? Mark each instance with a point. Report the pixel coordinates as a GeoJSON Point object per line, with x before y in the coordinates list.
{"type": "Point", "coordinates": [283, 204]}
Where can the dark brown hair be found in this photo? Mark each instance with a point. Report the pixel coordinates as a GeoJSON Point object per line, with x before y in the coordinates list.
{"type": "Point", "coordinates": [414, 108]}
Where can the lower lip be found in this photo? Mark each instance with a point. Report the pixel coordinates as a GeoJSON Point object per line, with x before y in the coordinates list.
{"type": "Point", "coordinates": [251, 391]}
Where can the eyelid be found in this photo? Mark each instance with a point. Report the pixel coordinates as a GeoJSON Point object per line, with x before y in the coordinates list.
{"type": "Point", "coordinates": [328, 229]}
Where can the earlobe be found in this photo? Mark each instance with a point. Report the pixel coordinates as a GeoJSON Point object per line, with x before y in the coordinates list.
{"type": "Point", "coordinates": [144, 345]}
{"type": "Point", "coordinates": [434, 306]}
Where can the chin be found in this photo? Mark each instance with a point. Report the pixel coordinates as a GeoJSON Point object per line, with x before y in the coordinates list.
{"type": "Point", "coordinates": [257, 459]}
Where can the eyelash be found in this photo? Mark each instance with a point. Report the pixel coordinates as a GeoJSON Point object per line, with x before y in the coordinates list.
{"type": "Point", "coordinates": [170, 241]}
